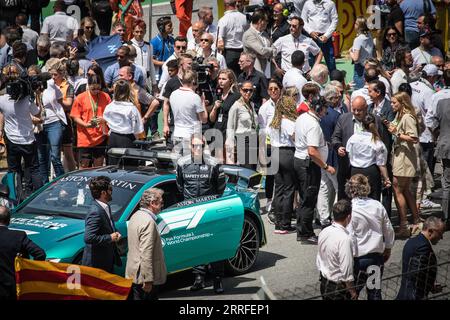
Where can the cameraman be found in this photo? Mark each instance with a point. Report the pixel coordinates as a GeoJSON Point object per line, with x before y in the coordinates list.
{"type": "Point", "coordinates": [15, 110]}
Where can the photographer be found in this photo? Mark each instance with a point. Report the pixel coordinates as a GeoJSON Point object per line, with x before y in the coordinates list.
{"type": "Point", "coordinates": [16, 108]}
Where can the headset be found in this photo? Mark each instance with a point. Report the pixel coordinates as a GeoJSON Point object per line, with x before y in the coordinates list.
{"type": "Point", "coordinates": [161, 23]}
{"type": "Point", "coordinates": [318, 103]}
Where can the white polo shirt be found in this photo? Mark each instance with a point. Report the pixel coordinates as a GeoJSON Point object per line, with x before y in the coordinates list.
{"type": "Point", "coordinates": [60, 26]}
{"type": "Point", "coordinates": [294, 78]}
{"type": "Point", "coordinates": [287, 45]}
{"type": "Point", "coordinates": [308, 133]}
{"type": "Point", "coordinates": [320, 17]}
{"type": "Point", "coordinates": [232, 26]}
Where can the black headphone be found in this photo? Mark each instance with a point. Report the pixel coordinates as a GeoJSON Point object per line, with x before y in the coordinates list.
{"type": "Point", "coordinates": [161, 22]}
{"type": "Point", "coordinates": [317, 103]}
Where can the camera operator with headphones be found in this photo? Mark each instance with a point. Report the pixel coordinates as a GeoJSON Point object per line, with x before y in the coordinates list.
{"type": "Point", "coordinates": [311, 153]}
{"type": "Point", "coordinates": [16, 106]}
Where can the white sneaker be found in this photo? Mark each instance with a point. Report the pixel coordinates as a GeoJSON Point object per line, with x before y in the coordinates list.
{"type": "Point", "coordinates": [428, 204]}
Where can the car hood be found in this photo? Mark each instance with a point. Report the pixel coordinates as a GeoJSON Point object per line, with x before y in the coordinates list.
{"type": "Point", "coordinates": [47, 231]}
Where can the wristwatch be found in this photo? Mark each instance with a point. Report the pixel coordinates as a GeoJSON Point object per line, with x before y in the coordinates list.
{"type": "Point", "coordinates": [398, 135]}
{"type": "Point", "coordinates": [326, 167]}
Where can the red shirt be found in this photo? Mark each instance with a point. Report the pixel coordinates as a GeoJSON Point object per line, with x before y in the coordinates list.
{"type": "Point", "coordinates": [302, 108]}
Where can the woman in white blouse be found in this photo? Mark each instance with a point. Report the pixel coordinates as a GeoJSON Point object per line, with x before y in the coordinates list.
{"type": "Point", "coordinates": [368, 156]}
{"type": "Point", "coordinates": [242, 130]}
{"type": "Point", "coordinates": [123, 119]}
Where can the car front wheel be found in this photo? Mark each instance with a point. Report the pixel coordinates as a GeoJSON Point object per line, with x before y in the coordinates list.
{"type": "Point", "coordinates": [248, 249]}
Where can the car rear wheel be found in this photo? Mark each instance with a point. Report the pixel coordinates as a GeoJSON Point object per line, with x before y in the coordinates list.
{"type": "Point", "coordinates": [248, 249]}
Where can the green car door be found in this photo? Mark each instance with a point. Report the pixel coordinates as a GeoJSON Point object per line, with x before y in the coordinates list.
{"type": "Point", "coordinates": [201, 233]}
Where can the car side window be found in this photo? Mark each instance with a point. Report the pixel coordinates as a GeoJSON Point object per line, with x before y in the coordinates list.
{"type": "Point", "coordinates": [171, 194]}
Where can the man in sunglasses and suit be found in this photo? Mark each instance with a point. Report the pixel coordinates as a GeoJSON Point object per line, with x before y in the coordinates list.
{"type": "Point", "coordinates": [198, 175]}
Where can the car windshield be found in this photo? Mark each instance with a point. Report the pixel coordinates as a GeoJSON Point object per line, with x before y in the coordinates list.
{"type": "Point", "coordinates": [72, 197]}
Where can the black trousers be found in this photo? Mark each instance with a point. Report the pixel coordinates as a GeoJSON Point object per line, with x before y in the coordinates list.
{"type": "Point", "coordinates": [270, 179]}
{"type": "Point", "coordinates": [332, 290]}
{"type": "Point", "coordinates": [285, 183]}
{"type": "Point", "coordinates": [27, 152]}
{"type": "Point", "coordinates": [117, 140]}
{"type": "Point", "coordinates": [373, 174]}
{"type": "Point", "coordinates": [215, 269]}
{"type": "Point", "coordinates": [343, 174]}
{"type": "Point", "coordinates": [308, 182]}
{"type": "Point", "coordinates": [232, 59]}
{"type": "Point", "coordinates": [137, 293]}
{"type": "Point", "coordinates": [428, 155]}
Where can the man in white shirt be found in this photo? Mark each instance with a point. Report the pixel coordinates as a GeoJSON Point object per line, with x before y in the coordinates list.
{"type": "Point", "coordinates": [207, 51]}
{"type": "Point", "coordinates": [16, 129]}
{"type": "Point", "coordinates": [180, 47]}
{"type": "Point", "coordinates": [321, 19]}
{"type": "Point", "coordinates": [188, 110]}
{"type": "Point", "coordinates": [372, 234]}
{"type": "Point", "coordinates": [29, 35]}
{"type": "Point", "coordinates": [431, 121]}
{"type": "Point", "coordinates": [60, 27]}
{"type": "Point", "coordinates": [232, 26]}
{"type": "Point", "coordinates": [311, 152]}
{"type": "Point", "coordinates": [205, 14]}
{"type": "Point", "coordinates": [335, 256]}
{"type": "Point", "coordinates": [369, 76]}
{"type": "Point", "coordinates": [294, 76]}
{"type": "Point", "coordinates": [198, 29]}
{"type": "Point", "coordinates": [296, 41]}
{"type": "Point", "coordinates": [403, 62]}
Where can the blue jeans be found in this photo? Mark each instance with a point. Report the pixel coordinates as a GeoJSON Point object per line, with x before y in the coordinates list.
{"type": "Point", "coordinates": [358, 76]}
{"type": "Point", "coordinates": [361, 275]}
{"type": "Point", "coordinates": [49, 148]}
{"type": "Point", "coordinates": [412, 39]}
{"type": "Point", "coordinates": [328, 54]}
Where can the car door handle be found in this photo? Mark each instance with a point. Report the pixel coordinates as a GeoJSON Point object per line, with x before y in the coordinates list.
{"type": "Point", "coordinates": [223, 210]}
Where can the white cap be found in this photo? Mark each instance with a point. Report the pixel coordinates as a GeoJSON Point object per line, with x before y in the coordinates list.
{"type": "Point", "coordinates": [431, 70]}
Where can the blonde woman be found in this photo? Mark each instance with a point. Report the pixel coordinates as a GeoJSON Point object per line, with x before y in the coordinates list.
{"type": "Point", "coordinates": [281, 131]}
{"type": "Point", "coordinates": [361, 50]}
{"type": "Point", "coordinates": [405, 161]}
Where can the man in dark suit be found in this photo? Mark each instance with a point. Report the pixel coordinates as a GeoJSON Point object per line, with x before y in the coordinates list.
{"type": "Point", "coordinates": [100, 231]}
{"type": "Point", "coordinates": [382, 108]}
{"type": "Point", "coordinates": [12, 243]}
{"type": "Point", "coordinates": [345, 127]}
{"type": "Point", "coordinates": [419, 263]}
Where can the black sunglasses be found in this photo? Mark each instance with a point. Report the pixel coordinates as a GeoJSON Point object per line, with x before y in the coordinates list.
{"type": "Point", "coordinates": [247, 90]}
{"type": "Point", "coordinates": [181, 47]}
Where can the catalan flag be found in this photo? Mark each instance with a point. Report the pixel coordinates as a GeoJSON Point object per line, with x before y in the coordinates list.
{"type": "Point", "coordinates": [44, 280]}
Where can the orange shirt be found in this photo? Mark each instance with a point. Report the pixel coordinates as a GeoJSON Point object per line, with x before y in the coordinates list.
{"type": "Point", "coordinates": [82, 108]}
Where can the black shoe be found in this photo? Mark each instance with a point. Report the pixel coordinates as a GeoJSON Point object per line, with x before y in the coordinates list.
{"type": "Point", "coordinates": [199, 283]}
{"type": "Point", "coordinates": [289, 229]}
{"type": "Point", "coordinates": [310, 240]}
{"type": "Point", "coordinates": [218, 287]}
{"type": "Point", "coordinates": [271, 217]}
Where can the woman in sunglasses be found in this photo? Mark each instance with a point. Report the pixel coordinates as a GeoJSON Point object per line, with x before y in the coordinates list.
{"type": "Point", "coordinates": [241, 140]}
{"type": "Point", "coordinates": [392, 42]}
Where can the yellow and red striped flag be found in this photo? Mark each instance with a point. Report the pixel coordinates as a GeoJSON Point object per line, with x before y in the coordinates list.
{"type": "Point", "coordinates": [44, 280]}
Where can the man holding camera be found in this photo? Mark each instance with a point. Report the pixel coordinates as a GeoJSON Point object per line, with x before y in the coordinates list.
{"type": "Point", "coordinates": [16, 107]}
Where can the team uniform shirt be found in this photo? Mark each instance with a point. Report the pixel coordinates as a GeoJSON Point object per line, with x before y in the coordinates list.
{"type": "Point", "coordinates": [294, 78]}
{"type": "Point", "coordinates": [123, 117]}
{"type": "Point", "coordinates": [422, 90]}
{"type": "Point", "coordinates": [320, 17]}
{"type": "Point", "coordinates": [185, 105]}
{"type": "Point", "coordinates": [308, 133]}
{"type": "Point", "coordinates": [54, 111]}
{"type": "Point", "coordinates": [60, 27]}
{"type": "Point", "coordinates": [18, 126]}
{"type": "Point", "coordinates": [363, 43]}
{"type": "Point", "coordinates": [83, 108]}
{"type": "Point", "coordinates": [424, 57]}
{"type": "Point", "coordinates": [430, 119]}
{"type": "Point", "coordinates": [232, 26]}
{"type": "Point", "coordinates": [287, 45]}
{"type": "Point", "coordinates": [370, 227]}
{"type": "Point", "coordinates": [282, 137]}
{"type": "Point", "coordinates": [364, 152]}
{"type": "Point", "coordinates": [335, 255]}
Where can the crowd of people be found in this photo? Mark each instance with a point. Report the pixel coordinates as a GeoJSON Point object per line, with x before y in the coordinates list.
{"type": "Point", "coordinates": [255, 86]}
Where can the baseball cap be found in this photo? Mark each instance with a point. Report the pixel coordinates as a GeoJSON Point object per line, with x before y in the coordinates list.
{"type": "Point", "coordinates": [431, 70]}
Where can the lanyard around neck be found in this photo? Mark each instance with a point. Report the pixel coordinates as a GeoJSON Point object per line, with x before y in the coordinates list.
{"type": "Point", "coordinates": [94, 105]}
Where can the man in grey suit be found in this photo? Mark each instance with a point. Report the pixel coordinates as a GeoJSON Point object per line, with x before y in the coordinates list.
{"type": "Point", "coordinates": [256, 41]}
{"type": "Point", "coordinates": [100, 234]}
{"type": "Point", "coordinates": [145, 260]}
